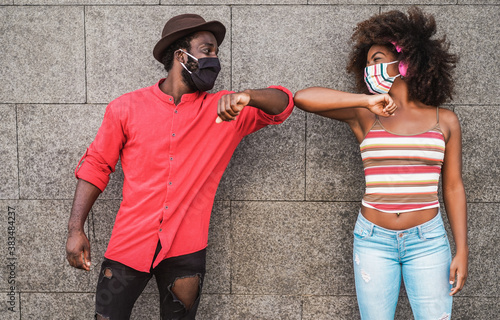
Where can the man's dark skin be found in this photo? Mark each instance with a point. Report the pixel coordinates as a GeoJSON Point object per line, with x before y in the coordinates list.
{"type": "Point", "coordinates": [204, 44]}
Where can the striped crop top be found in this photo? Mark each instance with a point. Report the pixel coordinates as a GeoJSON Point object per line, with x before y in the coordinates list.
{"type": "Point", "coordinates": [402, 171]}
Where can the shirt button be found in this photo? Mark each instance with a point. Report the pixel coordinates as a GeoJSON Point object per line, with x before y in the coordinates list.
{"type": "Point", "coordinates": [176, 111]}
{"type": "Point", "coordinates": [173, 134]}
{"type": "Point", "coordinates": [170, 99]}
{"type": "Point", "coordinates": [166, 208]}
{"type": "Point", "coordinates": [170, 183]}
{"type": "Point", "coordinates": [171, 158]}
{"type": "Point", "coordinates": [160, 230]}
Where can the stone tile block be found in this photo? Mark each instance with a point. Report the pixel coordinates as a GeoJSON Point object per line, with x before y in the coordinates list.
{"type": "Point", "coordinates": [484, 251]}
{"type": "Point", "coordinates": [233, 2]}
{"type": "Point", "coordinates": [249, 307]}
{"type": "Point", "coordinates": [86, 2]}
{"type": "Point", "coordinates": [10, 306]}
{"type": "Point", "coordinates": [9, 255]}
{"type": "Point", "coordinates": [78, 305]}
{"type": "Point", "coordinates": [6, 2]}
{"type": "Point", "coordinates": [147, 307]}
{"type": "Point", "coordinates": [43, 54]}
{"type": "Point", "coordinates": [295, 46]}
{"type": "Point", "coordinates": [300, 248]}
{"type": "Point", "coordinates": [475, 2]}
{"type": "Point", "coordinates": [268, 164]}
{"type": "Point", "coordinates": [120, 43]}
{"type": "Point", "coordinates": [382, 2]}
{"type": "Point", "coordinates": [465, 308]}
{"type": "Point", "coordinates": [477, 52]}
{"type": "Point", "coordinates": [218, 276]}
{"type": "Point", "coordinates": [9, 188]}
{"type": "Point", "coordinates": [344, 307]}
{"type": "Point", "coordinates": [41, 233]}
{"type": "Point", "coordinates": [480, 142]}
{"type": "Point", "coordinates": [52, 139]}
{"type": "Point", "coordinates": [403, 309]}
{"type": "Point", "coordinates": [334, 167]}
{"type": "Point", "coordinates": [330, 307]}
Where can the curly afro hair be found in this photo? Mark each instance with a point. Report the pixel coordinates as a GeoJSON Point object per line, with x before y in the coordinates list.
{"type": "Point", "coordinates": [430, 65]}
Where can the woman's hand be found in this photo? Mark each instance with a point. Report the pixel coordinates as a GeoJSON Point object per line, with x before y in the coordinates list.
{"type": "Point", "coordinates": [458, 272]}
{"type": "Point", "coordinates": [382, 105]}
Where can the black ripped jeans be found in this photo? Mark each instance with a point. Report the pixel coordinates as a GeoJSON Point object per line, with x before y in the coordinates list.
{"type": "Point", "coordinates": [119, 286]}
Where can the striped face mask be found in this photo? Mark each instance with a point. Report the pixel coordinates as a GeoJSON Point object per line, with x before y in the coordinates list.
{"type": "Point", "coordinates": [377, 79]}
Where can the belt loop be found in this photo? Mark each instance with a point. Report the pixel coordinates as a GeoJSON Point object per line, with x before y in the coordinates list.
{"type": "Point", "coordinates": [372, 226]}
{"type": "Point", "coordinates": [420, 232]}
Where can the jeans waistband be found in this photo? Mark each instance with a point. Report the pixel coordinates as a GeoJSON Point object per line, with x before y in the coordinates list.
{"type": "Point", "coordinates": [424, 227]}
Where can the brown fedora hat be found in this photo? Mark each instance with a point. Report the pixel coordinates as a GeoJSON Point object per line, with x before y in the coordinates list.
{"type": "Point", "coordinates": [182, 25]}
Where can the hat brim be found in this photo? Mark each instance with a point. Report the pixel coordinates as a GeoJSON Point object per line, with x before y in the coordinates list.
{"type": "Point", "coordinates": [215, 27]}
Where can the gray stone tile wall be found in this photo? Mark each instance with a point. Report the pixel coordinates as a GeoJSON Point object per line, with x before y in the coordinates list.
{"type": "Point", "coordinates": [9, 188]}
{"type": "Point", "coordinates": [281, 228]}
{"type": "Point", "coordinates": [119, 61]}
{"type": "Point", "coordinates": [477, 70]}
{"type": "Point", "coordinates": [383, 2]}
{"type": "Point", "coordinates": [43, 54]}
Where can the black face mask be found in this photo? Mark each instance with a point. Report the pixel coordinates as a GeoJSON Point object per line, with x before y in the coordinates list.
{"type": "Point", "coordinates": [206, 74]}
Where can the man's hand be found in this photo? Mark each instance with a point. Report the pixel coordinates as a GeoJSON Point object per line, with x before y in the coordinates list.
{"type": "Point", "coordinates": [382, 105]}
{"type": "Point", "coordinates": [230, 105]}
{"type": "Point", "coordinates": [78, 250]}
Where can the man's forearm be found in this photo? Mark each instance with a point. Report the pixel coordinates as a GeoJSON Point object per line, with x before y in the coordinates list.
{"type": "Point", "coordinates": [271, 101]}
{"type": "Point", "coordinates": [85, 196]}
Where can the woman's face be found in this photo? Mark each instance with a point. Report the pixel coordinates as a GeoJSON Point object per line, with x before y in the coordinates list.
{"type": "Point", "coordinates": [381, 54]}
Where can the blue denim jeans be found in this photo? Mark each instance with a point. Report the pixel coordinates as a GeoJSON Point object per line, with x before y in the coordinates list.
{"type": "Point", "coordinates": [421, 255]}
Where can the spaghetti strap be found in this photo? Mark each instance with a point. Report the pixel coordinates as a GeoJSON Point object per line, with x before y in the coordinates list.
{"type": "Point", "coordinates": [437, 114]}
{"type": "Point", "coordinates": [373, 125]}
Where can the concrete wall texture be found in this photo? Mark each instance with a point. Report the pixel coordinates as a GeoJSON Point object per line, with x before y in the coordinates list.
{"type": "Point", "coordinates": [281, 228]}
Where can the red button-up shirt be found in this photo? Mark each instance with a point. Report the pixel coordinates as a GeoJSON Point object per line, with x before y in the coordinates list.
{"type": "Point", "coordinates": [173, 157]}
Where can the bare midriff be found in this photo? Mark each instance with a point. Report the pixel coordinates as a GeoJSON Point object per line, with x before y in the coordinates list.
{"type": "Point", "coordinates": [394, 221]}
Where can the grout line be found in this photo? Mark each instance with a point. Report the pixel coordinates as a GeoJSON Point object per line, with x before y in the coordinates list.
{"type": "Point", "coordinates": [231, 48]}
{"type": "Point", "coordinates": [17, 150]}
{"type": "Point", "coordinates": [85, 52]}
{"type": "Point", "coordinates": [231, 267]}
{"type": "Point", "coordinates": [305, 158]}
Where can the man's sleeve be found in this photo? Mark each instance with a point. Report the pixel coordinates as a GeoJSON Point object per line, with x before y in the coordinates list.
{"type": "Point", "coordinates": [252, 119]}
{"type": "Point", "coordinates": [102, 155]}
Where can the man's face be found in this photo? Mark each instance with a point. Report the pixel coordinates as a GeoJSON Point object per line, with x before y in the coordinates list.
{"type": "Point", "coordinates": [203, 45]}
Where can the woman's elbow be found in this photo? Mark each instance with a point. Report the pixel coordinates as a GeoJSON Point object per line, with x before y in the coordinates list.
{"type": "Point", "coordinates": [300, 99]}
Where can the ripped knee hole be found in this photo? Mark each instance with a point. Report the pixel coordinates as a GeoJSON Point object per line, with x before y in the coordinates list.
{"type": "Point", "coordinates": [187, 290]}
{"type": "Point", "coordinates": [108, 273]}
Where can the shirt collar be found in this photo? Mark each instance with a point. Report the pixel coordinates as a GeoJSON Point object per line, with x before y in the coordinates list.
{"type": "Point", "coordinates": [169, 99]}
